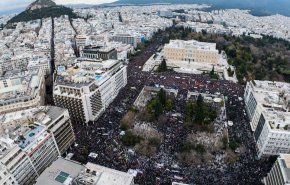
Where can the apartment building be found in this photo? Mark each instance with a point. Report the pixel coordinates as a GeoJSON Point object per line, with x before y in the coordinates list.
{"type": "Point", "coordinates": [20, 90]}
{"type": "Point", "coordinates": [30, 140]}
{"type": "Point", "coordinates": [6, 178]}
{"type": "Point", "coordinates": [87, 88]}
{"type": "Point", "coordinates": [81, 41]}
{"type": "Point", "coordinates": [280, 172]}
{"type": "Point", "coordinates": [125, 39]}
{"type": "Point", "coordinates": [267, 106]}
{"type": "Point", "coordinates": [191, 51]}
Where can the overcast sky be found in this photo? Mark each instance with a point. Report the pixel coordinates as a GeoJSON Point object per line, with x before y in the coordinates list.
{"type": "Point", "coordinates": [7, 5]}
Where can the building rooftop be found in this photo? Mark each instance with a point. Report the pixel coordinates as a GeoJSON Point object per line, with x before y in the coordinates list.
{"type": "Point", "coordinates": [108, 176]}
{"type": "Point", "coordinates": [21, 128]}
{"type": "Point", "coordinates": [274, 95]}
{"type": "Point", "coordinates": [86, 72]}
{"type": "Point", "coordinates": [19, 85]}
{"type": "Point", "coordinates": [96, 49]}
{"type": "Point", "coordinates": [62, 171]}
{"type": "Point", "coordinates": [193, 44]}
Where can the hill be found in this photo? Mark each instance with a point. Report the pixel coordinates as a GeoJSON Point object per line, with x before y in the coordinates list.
{"type": "Point", "coordinates": [42, 9]}
{"type": "Point", "coordinates": [41, 4]}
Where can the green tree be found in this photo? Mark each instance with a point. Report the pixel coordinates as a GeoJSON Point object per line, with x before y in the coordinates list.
{"type": "Point", "coordinates": [163, 66]}
{"type": "Point", "coordinates": [169, 104]}
{"type": "Point", "coordinates": [158, 109]}
{"type": "Point", "coordinates": [129, 139]}
{"type": "Point", "coordinates": [162, 96]}
{"type": "Point", "coordinates": [230, 72]}
{"type": "Point", "coordinates": [199, 101]}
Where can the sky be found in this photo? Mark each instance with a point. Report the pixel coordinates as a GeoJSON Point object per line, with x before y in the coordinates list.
{"type": "Point", "coordinates": [11, 6]}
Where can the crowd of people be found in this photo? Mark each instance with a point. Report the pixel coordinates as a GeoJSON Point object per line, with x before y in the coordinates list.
{"type": "Point", "coordinates": [103, 136]}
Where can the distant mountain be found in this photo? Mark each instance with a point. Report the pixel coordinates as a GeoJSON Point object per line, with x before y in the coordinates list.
{"type": "Point", "coordinates": [38, 4]}
{"type": "Point", "coordinates": [259, 6]}
{"type": "Point", "coordinates": [42, 9]}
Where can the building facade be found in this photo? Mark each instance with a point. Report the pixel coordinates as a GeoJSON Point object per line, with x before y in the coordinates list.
{"type": "Point", "coordinates": [191, 51]}
{"type": "Point", "coordinates": [267, 106]}
{"type": "Point", "coordinates": [280, 172]}
{"type": "Point", "coordinates": [20, 90]}
{"type": "Point", "coordinates": [86, 96]}
{"type": "Point", "coordinates": [32, 139]}
{"type": "Point", "coordinates": [95, 52]}
{"type": "Point", "coordinates": [125, 39]}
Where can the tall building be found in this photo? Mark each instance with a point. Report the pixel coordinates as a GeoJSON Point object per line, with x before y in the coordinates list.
{"type": "Point", "coordinates": [125, 39]}
{"type": "Point", "coordinates": [89, 87]}
{"type": "Point", "coordinates": [6, 177]}
{"type": "Point", "coordinates": [30, 140]}
{"type": "Point", "coordinates": [21, 90]}
{"type": "Point", "coordinates": [280, 172]}
{"type": "Point", "coordinates": [267, 106]}
{"type": "Point", "coordinates": [81, 41]}
{"type": "Point", "coordinates": [96, 52]}
{"type": "Point", "coordinates": [191, 51]}
{"type": "Point", "coordinates": [64, 171]}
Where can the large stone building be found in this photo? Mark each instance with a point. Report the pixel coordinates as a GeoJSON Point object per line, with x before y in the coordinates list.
{"type": "Point", "coordinates": [89, 87]}
{"type": "Point", "coordinates": [30, 140]}
{"type": "Point", "coordinates": [97, 52]}
{"type": "Point", "coordinates": [267, 106]}
{"type": "Point", "coordinates": [191, 51]}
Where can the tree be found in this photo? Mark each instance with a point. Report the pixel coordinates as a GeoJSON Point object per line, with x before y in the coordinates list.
{"type": "Point", "coordinates": [168, 104]}
{"type": "Point", "coordinates": [199, 101]}
{"type": "Point", "coordinates": [163, 66]}
{"type": "Point", "coordinates": [130, 139]}
{"type": "Point", "coordinates": [158, 109]}
{"type": "Point", "coordinates": [230, 72]}
{"type": "Point", "coordinates": [212, 74]}
{"type": "Point", "coordinates": [162, 96]}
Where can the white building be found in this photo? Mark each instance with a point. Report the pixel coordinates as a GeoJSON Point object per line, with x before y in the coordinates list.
{"type": "Point", "coordinates": [21, 90]}
{"type": "Point", "coordinates": [125, 39]}
{"type": "Point", "coordinates": [89, 87]}
{"type": "Point", "coordinates": [81, 41]}
{"type": "Point", "coordinates": [6, 177]}
{"type": "Point", "coordinates": [32, 139]}
{"type": "Point", "coordinates": [280, 172]}
{"type": "Point", "coordinates": [191, 51]}
{"type": "Point", "coordinates": [64, 171]}
{"type": "Point", "coordinates": [267, 106]}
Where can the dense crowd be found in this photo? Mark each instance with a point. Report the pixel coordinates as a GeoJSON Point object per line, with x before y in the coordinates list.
{"type": "Point", "coordinates": [103, 136]}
